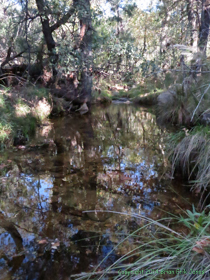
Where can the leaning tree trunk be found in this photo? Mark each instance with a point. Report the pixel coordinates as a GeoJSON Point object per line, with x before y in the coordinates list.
{"type": "Point", "coordinates": [204, 27]}
{"type": "Point", "coordinates": [47, 34]}
{"type": "Point", "coordinates": [85, 47]}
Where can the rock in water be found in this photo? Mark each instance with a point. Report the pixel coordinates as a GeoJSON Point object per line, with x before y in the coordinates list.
{"type": "Point", "coordinates": [83, 109]}
{"type": "Point", "coordinates": [205, 118]}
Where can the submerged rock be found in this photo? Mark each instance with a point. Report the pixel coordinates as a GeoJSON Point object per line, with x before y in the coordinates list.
{"type": "Point", "coordinates": [83, 109]}
{"type": "Point", "coordinates": [122, 100]}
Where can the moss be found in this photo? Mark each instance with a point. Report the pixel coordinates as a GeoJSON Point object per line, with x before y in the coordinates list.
{"type": "Point", "coordinates": [27, 124]}
{"type": "Point", "coordinates": [146, 99]}
{"type": "Point", "coordinates": [104, 97]}
{"type": "Point", "coordinates": [36, 91]}
{"type": "Point", "coordinates": [106, 93]}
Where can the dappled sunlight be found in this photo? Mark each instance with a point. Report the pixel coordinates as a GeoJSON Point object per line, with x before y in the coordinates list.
{"type": "Point", "coordinates": [21, 110]}
{"type": "Point", "coordinates": [45, 130]}
{"type": "Point", "coordinates": [42, 109]}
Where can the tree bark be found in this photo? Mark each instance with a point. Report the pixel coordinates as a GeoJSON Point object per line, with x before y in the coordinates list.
{"type": "Point", "coordinates": [47, 34]}
{"type": "Point", "coordinates": [9, 58]}
{"type": "Point", "coordinates": [85, 47]}
{"type": "Point", "coordinates": [192, 23]}
{"type": "Point", "coordinates": [47, 31]}
{"type": "Point", "coordinates": [204, 27]}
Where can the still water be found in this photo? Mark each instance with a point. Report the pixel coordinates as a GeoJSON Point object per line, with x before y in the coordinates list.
{"type": "Point", "coordinates": [112, 160]}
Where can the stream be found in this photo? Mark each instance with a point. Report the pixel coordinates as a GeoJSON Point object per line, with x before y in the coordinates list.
{"type": "Point", "coordinates": [61, 196]}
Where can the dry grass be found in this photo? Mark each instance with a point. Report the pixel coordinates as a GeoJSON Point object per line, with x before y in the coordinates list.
{"type": "Point", "coordinates": [176, 106]}
{"type": "Point", "coordinates": [192, 155]}
{"type": "Point", "coordinates": [184, 103]}
{"type": "Point", "coordinates": [160, 252]}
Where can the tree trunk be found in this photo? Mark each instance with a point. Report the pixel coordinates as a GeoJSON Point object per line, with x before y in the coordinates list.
{"type": "Point", "coordinates": [47, 31]}
{"type": "Point", "coordinates": [47, 34]}
{"type": "Point", "coordinates": [204, 27]}
{"type": "Point", "coordinates": [85, 46]}
{"type": "Point", "coordinates": [192, 23]}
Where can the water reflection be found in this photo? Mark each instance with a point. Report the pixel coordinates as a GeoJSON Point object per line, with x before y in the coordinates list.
{"type": "Point", "coordinates": [112, 160]}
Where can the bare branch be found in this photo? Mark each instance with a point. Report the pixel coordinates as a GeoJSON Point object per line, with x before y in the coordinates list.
{"type": "Point", "coordinates": [200, 102]}
{"type": "Point", "coordinates": [9, 58]}
{"type": "Point", "coordinates": [63, 20]}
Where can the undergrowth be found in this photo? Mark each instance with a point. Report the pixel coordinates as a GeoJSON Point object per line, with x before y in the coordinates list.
{"type": "Point", "coordinates": [21, 110]}
{"type": "Point", "coordinates": [161, 252]}
{"type": "Point", "coordinates": [189, 152]}
{"type": "Point", "coordinates": [115, 89]}
{"type": "Point", "coordinates": [184, 104]}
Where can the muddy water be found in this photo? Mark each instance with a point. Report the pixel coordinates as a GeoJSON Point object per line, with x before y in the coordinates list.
{"type": "Point", "coordinates": [111, 160]}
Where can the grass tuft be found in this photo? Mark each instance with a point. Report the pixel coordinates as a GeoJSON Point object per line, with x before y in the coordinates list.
{"type": "Point", "coordinates": [161, 252]}
{"type": "Point", "coordinates": [191, 155]}
{"type": "Point", "coordinates": [183, 104]}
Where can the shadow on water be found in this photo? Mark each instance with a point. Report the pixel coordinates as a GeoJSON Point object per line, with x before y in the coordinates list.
{"type": "Point", "coordinates": [111, 160]}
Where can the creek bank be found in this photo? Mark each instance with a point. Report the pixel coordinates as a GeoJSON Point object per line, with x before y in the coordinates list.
{"type": "Point", "coordinates": [21, 111]}
{"type": "Point", "coordinates": [109, 160]}
{"type": "Point", "coordinates": [24, 109]}
{"type": "Point", "coordinates": [188, 148]}
{"type": "Point", "coordinates": [186, 106]}
{"type": "Point", "coordinates": [147, 99]}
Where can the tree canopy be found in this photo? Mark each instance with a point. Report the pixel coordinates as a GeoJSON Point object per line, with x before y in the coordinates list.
{"type": "Point", "coordinates": [85, 40]}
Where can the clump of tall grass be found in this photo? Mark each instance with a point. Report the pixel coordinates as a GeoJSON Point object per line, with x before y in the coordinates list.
{"type": "Point", "coordinates": [184, 103]}
{"type": "Point", "coordinates": [177, 104]}
{"type": "Point", "coordinates": [191, 154]}
{"type": "Point", "coordinates": [161, 252]}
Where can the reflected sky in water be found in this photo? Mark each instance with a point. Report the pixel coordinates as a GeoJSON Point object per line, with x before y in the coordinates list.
{"type": "Point", "coordinates": [112, 159]}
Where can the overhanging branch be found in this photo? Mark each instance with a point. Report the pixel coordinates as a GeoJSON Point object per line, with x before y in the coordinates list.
{"type": "Point", "coordinates": [9, 58]}
{"type": "Point", "coordinates": [63, 20]}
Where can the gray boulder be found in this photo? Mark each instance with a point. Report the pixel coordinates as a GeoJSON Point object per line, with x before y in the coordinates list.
{"type": "Point", "coordinates": [169, 95]}
{"type": "Point", "coordinates": [165, 97]}
{"type": "Point", "coordinates": [205, 118]}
